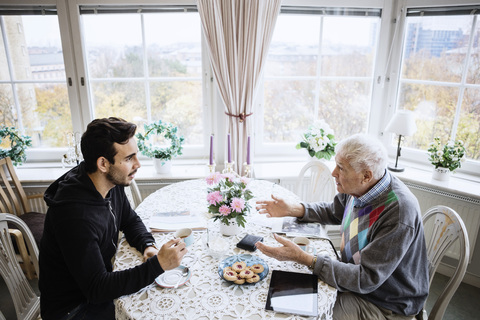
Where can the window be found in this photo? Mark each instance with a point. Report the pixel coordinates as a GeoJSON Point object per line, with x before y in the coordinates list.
{"type": "Point", "coordinates": [145, 71]}
{"type": "Point", "coordinates": [320, 66]}
{"type": "Point", "coordinates": [440, 76]}
{"type": "Point", "coordinates": [33, 89]}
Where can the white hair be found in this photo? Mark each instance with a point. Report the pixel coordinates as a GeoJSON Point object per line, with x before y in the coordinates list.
{"type": "Point", "coordinates": [364, 152]}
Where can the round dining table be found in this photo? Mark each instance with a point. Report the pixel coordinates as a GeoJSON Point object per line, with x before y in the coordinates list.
{"type": "Point", "coordinates": [206, 295]}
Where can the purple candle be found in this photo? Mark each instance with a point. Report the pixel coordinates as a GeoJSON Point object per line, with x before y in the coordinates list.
{"type": "Point", "coordinates": [229, 150]}
{"type": "Point", "coordinates": [248, 150]}
{"type": "Point", "coordinates": [211, 149]}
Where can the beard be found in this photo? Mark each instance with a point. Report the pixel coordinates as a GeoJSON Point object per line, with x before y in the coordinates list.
{"type": "Point", "coordinates": [117, 178]}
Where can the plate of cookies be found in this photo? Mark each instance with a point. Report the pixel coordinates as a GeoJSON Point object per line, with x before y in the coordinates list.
{"type": "Point", "coordinates": [243, 269]}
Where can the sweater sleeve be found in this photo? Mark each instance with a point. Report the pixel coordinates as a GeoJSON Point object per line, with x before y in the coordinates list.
{"type": "Point", "coordinates": [325, 212]}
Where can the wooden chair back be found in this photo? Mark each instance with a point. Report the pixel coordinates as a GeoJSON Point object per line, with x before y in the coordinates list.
{"type": "Point", "coordinates": [12, 196]}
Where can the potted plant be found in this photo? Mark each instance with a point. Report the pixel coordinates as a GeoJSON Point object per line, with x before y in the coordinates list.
{"type": "Point", "coordinates": [319, 141]}
{"type": "Point", "coordinates": [13, 145]}
{"type": "Point", "coordinates": [228, 201]}
{"type": "Point", "coordinates": [161, 154]}
{"type": "Point", "coordinates": [445, 157]}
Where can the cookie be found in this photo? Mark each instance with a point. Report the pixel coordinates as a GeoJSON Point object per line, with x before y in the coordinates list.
{"type": "Point", "coordinates": [239, 280]}
{"type": "Point", "coordinates": [239, 266]}
{"type": "Point", "coordinates": [246, 273]}
{"type": "Point", "coordinates": [257, 268]}
{"type": "Point", "coordinates": [253, 279]}
{"type": "Point", "coordinates": [230, 275]}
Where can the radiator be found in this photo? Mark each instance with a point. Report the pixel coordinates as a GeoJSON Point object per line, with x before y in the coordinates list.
{"type": "Point", "coordinates": [37, 204]}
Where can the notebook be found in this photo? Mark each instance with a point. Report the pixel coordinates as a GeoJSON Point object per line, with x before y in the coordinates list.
{"type": "Point", "coordinates": [293, 292]}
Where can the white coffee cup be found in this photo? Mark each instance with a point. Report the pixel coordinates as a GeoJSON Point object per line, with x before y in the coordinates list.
{"type": "Point", "coordinates": [303, 243]}
{"type": "Point", "coordinates": [186, 234]}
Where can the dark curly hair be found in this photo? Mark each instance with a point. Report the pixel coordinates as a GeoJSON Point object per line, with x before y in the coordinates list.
{"type": "Point", "coordinates": [99, 138]}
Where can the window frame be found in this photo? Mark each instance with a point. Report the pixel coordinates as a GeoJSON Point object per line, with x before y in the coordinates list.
{"type": "Point", "coordinates": [267, 152]}
{"type": "Point", "coordinates": [414, 157]}
{"type": "Point", "coordinates": [387, 67]}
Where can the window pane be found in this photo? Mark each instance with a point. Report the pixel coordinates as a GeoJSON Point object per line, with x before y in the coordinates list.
{"type": "Point", "coordinates": [40, 107]}
{"type": "Point", "coordinates": [289, 53]}
{"type": "Point", "coordinates": [469, 126]}
{"type": "Point", "coordinates": [121, 55]}
{"type": "Point", "coordinates": [119, 99]}
{"type": "Point", "coordinates": [348, 46]}
{"type": "Point", "coordinates": [173, 54]}
{"type": "Point", "coordinates": [4, 74]}
{"type": "Point", "coordinates": [288, 109]}
{"type": "Point", "coordinates": [474, 63]}
{"type": "Point", "coordinates": [435, 47]}
{"type": "Point", "coordinates": [146, 72]}
{"type": "Point", "coordinates": [345, 106]}
{"type": "Point", "coordinates": [180, 102]}
{"type": "Point", "coordinates": [309, 71]}
{"type": "Point", "coordinates": [52, 114]}
{"type": "Point", "coordinates": [434, 108]}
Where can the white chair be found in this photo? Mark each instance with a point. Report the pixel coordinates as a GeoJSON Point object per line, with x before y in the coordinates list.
{"type": "Point", "coordinates": [25, 300]}
{"type": "Point", "coordinates": [133, 194]}
{"type": "Point", "coordinates": [315, 183]}
{"type": "Point", "coordinates": [444, 226]}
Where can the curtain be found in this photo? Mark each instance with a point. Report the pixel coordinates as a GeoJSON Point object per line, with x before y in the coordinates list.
{"type": "Point", "coordinates": [238, 34]}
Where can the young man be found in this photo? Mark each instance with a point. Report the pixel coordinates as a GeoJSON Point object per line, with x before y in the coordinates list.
{"type": "Point", "coordinates": [383, 272]}
{"type": "Point", "coordinates": [87, 209]}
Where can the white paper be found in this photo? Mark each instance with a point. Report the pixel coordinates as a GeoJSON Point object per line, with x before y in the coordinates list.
{"type": "Point", "coordinates": [301, 304]}
{"type": "Point", "coordinates": [171, 221]}
{"type": "Point", "coordinates": [264, 221]}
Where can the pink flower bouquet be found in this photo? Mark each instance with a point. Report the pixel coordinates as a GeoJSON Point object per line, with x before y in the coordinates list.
{"type": "Point", "coordinates": [228, 197]}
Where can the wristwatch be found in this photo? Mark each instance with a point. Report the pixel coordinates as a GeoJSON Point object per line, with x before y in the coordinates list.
{"type": "Point", "coordinates": [149, 244]}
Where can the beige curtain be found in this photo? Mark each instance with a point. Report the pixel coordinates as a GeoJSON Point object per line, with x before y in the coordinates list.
{"type": "Point", "coordinates": [238, 34]}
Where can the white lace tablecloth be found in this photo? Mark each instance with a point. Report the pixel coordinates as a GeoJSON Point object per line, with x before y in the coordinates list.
{"type": "Point", "coordinates": [206, 295]}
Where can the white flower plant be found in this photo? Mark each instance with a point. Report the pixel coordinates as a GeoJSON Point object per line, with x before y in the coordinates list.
{"type": "Point", "coordinates": [319, 140]}
{"type": "Point", "coordinates": [449, 155]}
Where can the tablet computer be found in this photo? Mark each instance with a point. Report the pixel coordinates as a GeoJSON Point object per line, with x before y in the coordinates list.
{"type": "Point", "coordinates": [293, 292]}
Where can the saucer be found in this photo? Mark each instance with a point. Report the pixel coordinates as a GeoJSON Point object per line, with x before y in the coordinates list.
{"type": "Point", "coordinates": [170, 278]}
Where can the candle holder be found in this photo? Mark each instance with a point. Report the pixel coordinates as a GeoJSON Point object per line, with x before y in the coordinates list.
{"type": "Point", "coordinates": [229, 167]}
{"type": "Point", "coordinates": [73, 155]}
{"type": "Point", "coordinates": [248, 170]}
{"type": "Point", "coordinates": [211, 167]}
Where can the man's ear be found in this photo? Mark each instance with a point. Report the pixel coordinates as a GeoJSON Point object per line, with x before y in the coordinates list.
{"type": "Point", "coordinates": [367, 176]}
{"type": "Point", "coordinates": [103, 164]}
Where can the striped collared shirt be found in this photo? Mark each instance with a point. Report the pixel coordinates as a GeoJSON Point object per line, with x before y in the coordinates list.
{"type": "Point", "coordinates": [378, 188]}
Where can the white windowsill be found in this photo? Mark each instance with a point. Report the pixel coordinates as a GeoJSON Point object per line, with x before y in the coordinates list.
{"type": "Point", "coordinates": [461, 184]}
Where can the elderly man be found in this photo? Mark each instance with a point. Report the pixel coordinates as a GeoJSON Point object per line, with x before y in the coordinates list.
{"type": "Point", "coordinates": [383, 272]}
{"type": "Point", "coordinates": [87, 209]}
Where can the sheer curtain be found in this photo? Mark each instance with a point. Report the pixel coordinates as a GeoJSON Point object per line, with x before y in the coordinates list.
{"type": "Point", "coordinates": [238, 34]}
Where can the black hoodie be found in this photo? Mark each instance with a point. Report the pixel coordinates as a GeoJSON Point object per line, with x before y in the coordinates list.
{"type": "Point", "coordinates": [79, 242]}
